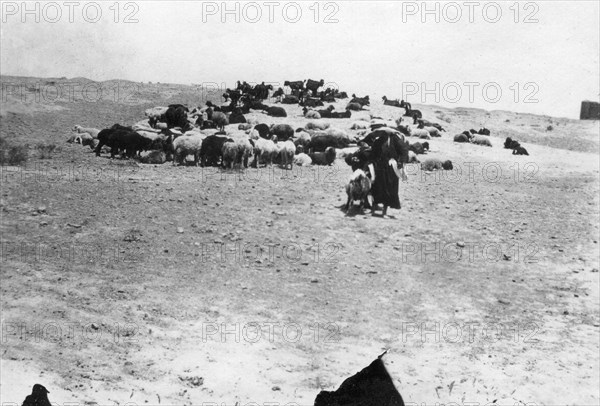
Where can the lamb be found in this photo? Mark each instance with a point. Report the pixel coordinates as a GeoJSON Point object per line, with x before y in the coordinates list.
{"type": "Point", "coordinates": [220, 119]}
{"type": "Point", "coordinates": [520, 151]}
{"type": "Point", "coordinates": [155, 113]}
{"type": "Point", "coordinates": [86, 139]}
{"type": "Point", "coordinates": [358, 188]}
{"type": "Point", "coordinates": [311, 114]}
{"type": "Point", "coordinates": [264, 151]}
{"type": "Point", "coordinates": [185, 145]}
{"type": "Point", "coordinates": [229, 152]}
{"type": "Point", "coordinates": [287, 150]}
{"type": "Point", "coordinates": [478, 140]}
{"type": "Point", "coordinates": [302, 160]}
{"type": "Point", "coordinates": [432, 164]}
{"type": "Point", "coordinates": [90, 130]}
{"type": "Point", "coordinates": [461, 138]}
{"type": "Point", "coordinates": [323, 158]}
{"type": "Point", "coordinates": [244, 126]}
{"type": "Point", "coordinates": [316, 126]}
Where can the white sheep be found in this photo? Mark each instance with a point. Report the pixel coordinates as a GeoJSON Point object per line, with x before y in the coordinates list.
{"type": "Point", "coordinates": [479, 140]}
{"type": "Point", "coordinates": [419, 132]}
{"type": "Point", "coordinates": [311, 125]}
{"type": "Point", "coordinates": [155, 112]}
{"type": "Point", "coordinates": [185, 145]}
{"type": "Point", "coordinates": [338, 133]}
{"type": "Point", "coordinates": [143, 125]}
{"type": "Point", "coordinates": [341, 153]}
{"type": "Point", "coordinates": [412, 158]}
{"type": "Point", "coordinates": [244, 150]}
{"type": "Point", "coordinates": [286, 151]}
{"type": "Point", "coordinates": [359, 125]}
{"type": "Point", "coordinates": [302, 160]}
{"type": "Point", "coordinates": [264, 151]}
{"type": "Point", "coordinates": [358, 188]}
{"type": "Point", "coordinates": [90, 130]}
{"type": "Point", "coordinates": [312, 114]}
{"type": "Point", "coordinates": [434, 132]}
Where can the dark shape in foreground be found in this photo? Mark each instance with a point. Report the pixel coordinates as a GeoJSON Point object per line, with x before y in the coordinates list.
{"type": "Point", "coordinates": [372, 386]}
{"type": "Point", "coordinates": [38, 397]}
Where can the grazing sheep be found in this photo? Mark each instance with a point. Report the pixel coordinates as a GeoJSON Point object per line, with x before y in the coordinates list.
{"type": "Point", "coordinates": [90, 130]}
{"type": "Point", "coordinates": [185, 145]}
{"type": "Point", "coordinates": [265, 151]}
{"type": "Point", "coordinates": [354, 106]}
{"type": "Point", "coordinates": [282, 131]}
{"type": "Point", "coordinates": [302, 160]}
{"type": "Point", "coordinates": [316, 126]}
{"type": "Point", "coordinates": [153, 157]}
{"type": "Point", "coordinates": [432, 164]}
{"type": "Point", "coordinates": [286, 153]}
{"type": "Point", "coordinates": [244, 126]}
{"type": "Point", "coordinates": [478, 140]}
{"type": "Point", "coordinates": [359, 125]}
{"type": "Point", "coordinates": [520, 151]}
{"type": "Point", "coordinates": [220, 120]}
{"type": "Point", "coordinates": [358, 188]}
{"type": "Point", "coordinates": [275, 111]}
{"type": "Point", "coordinates": [323, 158]}
{"type": "Point", "coordinates": [461, 138]}
{"type": "Point", "coordinates": [311, 114]}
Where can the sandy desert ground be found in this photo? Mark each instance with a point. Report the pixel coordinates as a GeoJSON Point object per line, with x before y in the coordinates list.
{"type": "Point", "coordinates": [128, 300]}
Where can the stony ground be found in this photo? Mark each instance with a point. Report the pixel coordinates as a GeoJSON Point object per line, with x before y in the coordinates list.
{"type": "Point", "coordinates": [124, 282]}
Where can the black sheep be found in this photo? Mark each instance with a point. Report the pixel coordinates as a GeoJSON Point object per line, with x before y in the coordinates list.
{"type": "Point", "coordinates": [38, 397]}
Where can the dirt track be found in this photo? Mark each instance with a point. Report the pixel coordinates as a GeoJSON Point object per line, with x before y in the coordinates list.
{"type": "Point", "coordinates": [147, 303]}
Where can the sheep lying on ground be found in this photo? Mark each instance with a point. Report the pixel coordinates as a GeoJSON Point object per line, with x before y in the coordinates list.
{"type": "Point", "coordinates": [302, 160]}
{"type": "Point", "coordinates": [419, 148]}
{"type": "Point", "coordinates": [520, 151]}
{"type": "Point", "coordinates": [311, 113]}
{"type": "Point", "coordinates": [90, 130]}
{"type": "Point", "coordinates": [244, 126]}
{"type": "Point", "coordinates": [479, 140]}
{"type": "Point", "coordinates": [419, 132]}
{"type": "Point", "coordinates": [461, 138]}
{"type": "Point", "coordinates": [358, 188]}
{"type": "Point", "coordinates": [432, 164]}
{"type": "Point", "coordinates": [323, 158]}
{"type": "Point", "coordinates": [434, 132]}
{"type": "Point", "coordinates": [359, 125]}
{"type": "Point", "coordinates": [153, 157]}
{"type": "Point", "coordinates": [316, 126]}
{"type": "Point", "coordinates": [342, 153]}
{"type": "Point", "coordinates": [185, 145]}
{"type": "Point", "coordinates": [275, 111]}
{"type": "Point", "coordinates": [302, 138]}
{"type": "Point", "coordinates": [354, 107]}
{"type": "Point", "coordinates": [81, 138]}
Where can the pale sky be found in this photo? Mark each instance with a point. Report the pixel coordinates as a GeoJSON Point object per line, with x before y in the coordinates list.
{"type": "Point", "coordinates": [374, 48]}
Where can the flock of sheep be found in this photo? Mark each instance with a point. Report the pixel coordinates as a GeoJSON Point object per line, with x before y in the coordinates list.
{"type": "Point", "coordinates": [210, 135]}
